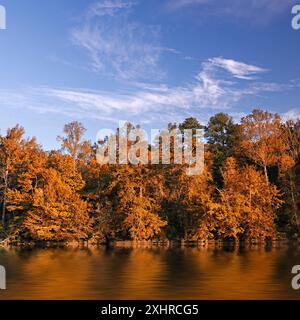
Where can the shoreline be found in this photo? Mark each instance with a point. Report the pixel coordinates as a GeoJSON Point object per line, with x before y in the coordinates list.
{"type": "Point", "coordinates": [149, 243]}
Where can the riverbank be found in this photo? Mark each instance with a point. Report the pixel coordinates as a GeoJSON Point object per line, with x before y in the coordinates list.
{"type": "Point", "coordinates": [282, 239]}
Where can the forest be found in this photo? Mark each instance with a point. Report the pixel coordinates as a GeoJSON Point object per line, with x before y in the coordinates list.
{"type": "Point", "coordinates": [249, 189]}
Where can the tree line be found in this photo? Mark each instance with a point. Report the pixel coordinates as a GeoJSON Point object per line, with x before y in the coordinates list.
{"type": "Point", "coordinates": [249, 189]}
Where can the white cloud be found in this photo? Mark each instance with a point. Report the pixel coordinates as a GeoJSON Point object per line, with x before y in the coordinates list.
{"type": "Point", "coordinates": [238, 69]}
{"type": "Point", "coordinates": [118, 46]}
{"type": "Point", "coordinates": [208, 90]}
{"type": "Point", "coordinates": [221, 84]}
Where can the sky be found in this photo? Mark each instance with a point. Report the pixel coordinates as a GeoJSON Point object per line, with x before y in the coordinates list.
{"type": "Point", "coordinates": [149, 62]}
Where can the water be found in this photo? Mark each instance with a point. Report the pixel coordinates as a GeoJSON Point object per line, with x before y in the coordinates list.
{"type": "Point", "coordinates": [150, 273]}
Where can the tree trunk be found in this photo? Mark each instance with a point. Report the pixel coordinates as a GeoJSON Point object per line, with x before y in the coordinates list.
{"type": "Point", "coordinates": [266, 174]}
{"type": "Point", "coordinates": [4, 199]}
{"type": "Point", "coordinates": [3, 208]}
{"type": "Point", "coordinates": [296, 219]}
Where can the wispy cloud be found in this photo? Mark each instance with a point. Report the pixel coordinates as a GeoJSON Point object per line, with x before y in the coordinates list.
{"type": "Point", "coordinates": [220, 84]}
{"type": "Point", "coordinates": [178, 4]}
{"type": "Point", "coordinates": [241, 9]}
{"type": "Point", "coordinates": [206, 91]}
{"type": "Point", "coordinates": [238, 69]}
{"type": "Point", "coordinates": [117, 45]}
{"type": "Point", "coordinates": [108, 7]}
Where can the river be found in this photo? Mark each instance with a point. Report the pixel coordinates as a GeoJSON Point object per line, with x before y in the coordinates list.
{"type": "Point", "coordinates": [255, 272]}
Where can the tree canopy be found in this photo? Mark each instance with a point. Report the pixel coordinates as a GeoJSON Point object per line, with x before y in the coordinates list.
{"type": "Point", "coordinates": [249, 188]}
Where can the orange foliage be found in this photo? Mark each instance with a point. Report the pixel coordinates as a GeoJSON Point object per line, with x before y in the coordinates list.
{"type": "Point", "coordinates": [245, 207]}
{"type": "Point", "coordinates": [66, 195]}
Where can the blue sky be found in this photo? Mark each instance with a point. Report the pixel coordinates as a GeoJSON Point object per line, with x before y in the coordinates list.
{"type": "Point", "coordinates": [146, 61]}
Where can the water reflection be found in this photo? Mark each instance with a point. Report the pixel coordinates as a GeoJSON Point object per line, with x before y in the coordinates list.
{"type": "Point", "coordinates": [150, 273]}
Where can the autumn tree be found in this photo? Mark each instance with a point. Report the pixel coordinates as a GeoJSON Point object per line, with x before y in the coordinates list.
{"type": "Point", "coordinates": [184, 199]}
{"type": "Point", "coordinates": [137, 203]}
{"type": "Point", "coordinates": [261, 139]}
{"type": "Point", "coordinates": [175, 186]}
{"type": "Point", "coordinates": [56, 213]}
{"type": "Point", "coordinates": [67, 195]}
{"type": "Point", "coordinates": [246, 208]}
{"type": "Point", "coordinates": [65, 166]}
{"type": "Point", "coordinates": [290, 181]}
{"type": "Point", "coordinates": [100, 194]}
{"type": "Point", "coordinates": [41, 186]}
{"type": "Point", "coordinates": [13, 157]}
{"type": "Point", "coordinates": [72, 142]}
{"type": "Point", "coordinates": [28, 176]}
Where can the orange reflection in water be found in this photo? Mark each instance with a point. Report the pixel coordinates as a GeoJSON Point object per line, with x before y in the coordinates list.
{"type": "Point", "coordinates": [150, 273]}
